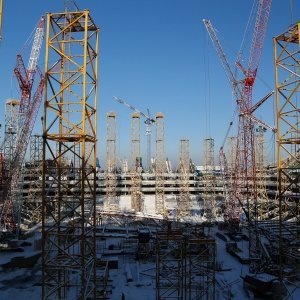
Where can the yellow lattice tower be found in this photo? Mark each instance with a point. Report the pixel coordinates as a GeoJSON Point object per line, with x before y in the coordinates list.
{"type": "Point", "coordinates": [136, 168]}
{"type": "Point", "coordinates": [160, 165]}
{"type": "Point", "coordinates": [209, 179]}
{"type": "Point", "coordinates": [184, 179]}
{"type": "Point", "coordinates": [70, 126]}
{"type": "Point", "coordinates": [287, 77]}
{"type": "Point", "coordinates": [111, 201]}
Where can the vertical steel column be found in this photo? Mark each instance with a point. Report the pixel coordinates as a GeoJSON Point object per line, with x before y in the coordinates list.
{"type": "Point", "coordinates": [70, 125]}
{"type": "Point", "coordinates": [287, 79]}
{"type": "Point", "coordinates": [160, 165]}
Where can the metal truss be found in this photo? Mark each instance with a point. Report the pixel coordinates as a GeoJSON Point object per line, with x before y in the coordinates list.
{"type": "Point", "coordinates": [287, 76]}
{"type": "Point", "coordinates": [70, 130]}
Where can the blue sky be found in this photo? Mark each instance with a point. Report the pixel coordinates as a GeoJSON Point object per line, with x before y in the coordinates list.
{"type": "Point", "coordinates": [156, 54]}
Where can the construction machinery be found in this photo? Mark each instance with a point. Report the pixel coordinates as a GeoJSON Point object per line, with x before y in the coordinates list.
{"type": "Point", "coordinates": [148, 121]}
{"type": "Point", "coordinates": [245, 179]}
{"type": "Point", "coordinates": [28, 108]}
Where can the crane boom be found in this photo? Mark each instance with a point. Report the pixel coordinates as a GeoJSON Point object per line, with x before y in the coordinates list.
{"type": "Point", "coordinates": [36, 48]}
{"type": "Point", "coordinates": [25, 76]}
{"type": "Point", "coordinates": [223, 58]}
{"type": "Point", "coordinates": [259, 34]}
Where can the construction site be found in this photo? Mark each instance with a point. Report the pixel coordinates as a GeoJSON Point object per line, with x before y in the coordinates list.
{"type": "Point", "coordinates": [79, 224]}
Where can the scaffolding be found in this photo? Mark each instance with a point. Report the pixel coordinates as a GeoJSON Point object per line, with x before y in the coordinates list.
{"type": "Point", "coordinates": [209, 180]}
{"type": "Point", "coordinates": [170, 253]}
{"type": "Point", "coordinates": [184, 179]}
{"type": "Point", "coordinates": [201, 261]}
{"type": "Point", "coordinates": [287, 57]}
{"type": "Point", "coordinates": [231, 153]}
{"type": "Point", "coordinates": [136, 166]}
{"type": "Point", "coordinates": [111, 201]}
{"type": "Point", "coordinates": [32, 206]}
{"type": "Point", "coordinates": [160, 165]}
{"type": "Point", "coordinates": [11, 130]}
{"type": "Point", "coordinates": [263, 199]}
{"type": "Point", "coordinates": [68, 220]}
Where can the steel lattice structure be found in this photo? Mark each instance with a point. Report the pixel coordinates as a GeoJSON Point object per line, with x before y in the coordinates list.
{"type": "Point", "coordinates": [209, 179]}
{"type": "Point", "coordinates": [136, 168]}
{"type": "Point", "coordinates": [160, 165]}
{"type": "Point", "coordinates": [70, 126]}
{"type": "Point", "coordinates": [11, 130]}
{"type": "Point", "coordinates": [111, 201]}
{"type": "Point", "coordinates": [287, 77]}
{"type": "Point", "coordinates": [170, 265]}
{"type": "Point", "coordinates": [263, 199]}
{"type": "Point", "coordinates": [201, 260]}
{"type": "Point", "coordinates": [184, 179]}
{"type": "Point", "coordinates": [32, 206]}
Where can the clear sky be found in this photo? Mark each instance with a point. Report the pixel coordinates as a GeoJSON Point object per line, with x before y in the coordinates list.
{"type": "Point", "coordinates": [156, 54]}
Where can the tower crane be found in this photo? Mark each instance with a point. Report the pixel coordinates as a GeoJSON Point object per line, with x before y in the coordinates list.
{"type": "Point", "coordinates": [28, 110]}
{"type": "Point", "coordinates": [148, 121]}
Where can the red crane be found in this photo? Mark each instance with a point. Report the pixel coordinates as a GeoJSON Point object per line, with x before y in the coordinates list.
{"type": "Point", "coordinates": [28, 110]}
{"type": "Point", "coordinates": [245, 160]}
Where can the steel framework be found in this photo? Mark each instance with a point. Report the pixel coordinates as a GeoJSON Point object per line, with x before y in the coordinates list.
{"type": "Point", "coordinates": [231, 152]}
{"type": "Point", "coordinates": [209, 180]}
{"type": "Point", "coordinates": [11, 130]}
{"type": "Point", "coordinates": [70, 123]}
{"type": "Point", "coordinates": [263, 199]}
{"type": "Point", "coordinates": [111, 201]}
{"type": "Point", "coordinates": [32, 206]}
{"type": "Point", "coordinates": [201, 260]}
{"type": "Point", "coordinates": [184, 179]}
{"type": "Point", "coordinates": [136, 167]}
{"type": "Point", "coordinates": [287, 78]}
{"type": "Point", "coordinates": [160, 165]}
{"type": "Point", "coordinates": [170, 273]}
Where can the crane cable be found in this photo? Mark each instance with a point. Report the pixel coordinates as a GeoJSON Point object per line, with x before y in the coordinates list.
{"type": "Point", "coordinates": [247, 29]}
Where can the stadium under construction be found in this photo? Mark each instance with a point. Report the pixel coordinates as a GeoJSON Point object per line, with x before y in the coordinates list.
{"type": "Point", "coordinates": [132, 229]}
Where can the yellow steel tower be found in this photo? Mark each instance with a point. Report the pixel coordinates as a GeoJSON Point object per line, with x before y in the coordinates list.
{"type": "Point", "coordinates": [111, 203]}
{"type": "Point", "coordinates": [68, 221]}
{"type": "Point", "coordinates": [136, 167]}
{"type": "Point", "coordinates": [184, 179]}
{"type": "Point", "coordinates": [287, 77]}
{"type": "Point", "coordinates": [160, 165]}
